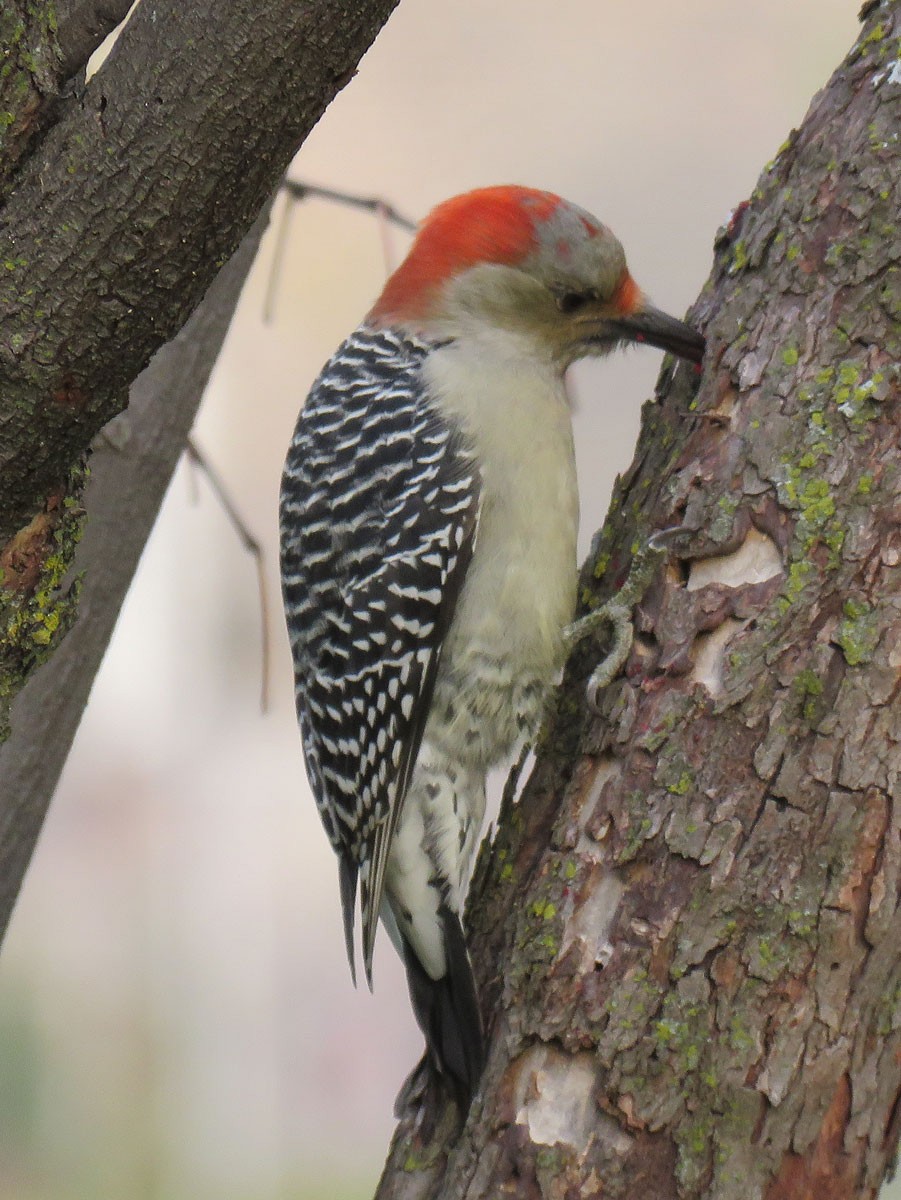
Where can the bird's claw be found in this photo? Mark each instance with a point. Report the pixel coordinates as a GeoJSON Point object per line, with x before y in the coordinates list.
{"type": "Point", "coordinates": [660, 542]}
{"type": "Point", "coordinates": [617, 613]}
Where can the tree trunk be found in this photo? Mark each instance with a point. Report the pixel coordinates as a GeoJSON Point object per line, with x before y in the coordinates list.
{"type": "Point", "coordinates": [121, 202]}
{"type": "Point", "coordinates": [686, 931]}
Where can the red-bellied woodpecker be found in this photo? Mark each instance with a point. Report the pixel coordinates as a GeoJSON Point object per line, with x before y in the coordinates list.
{"type": "Point", "coordinates": [428, 526]}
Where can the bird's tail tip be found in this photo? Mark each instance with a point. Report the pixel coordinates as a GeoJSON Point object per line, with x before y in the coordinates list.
{"type": "Point", "coordinates": [447, 1010]}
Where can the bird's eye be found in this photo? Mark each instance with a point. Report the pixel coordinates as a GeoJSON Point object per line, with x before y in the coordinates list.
{"type": "Point", "coordinates": [570, 302]}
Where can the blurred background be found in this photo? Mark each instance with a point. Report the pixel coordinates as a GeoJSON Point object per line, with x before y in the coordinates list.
{"type": "Point", "coordinates": [176, 1015]}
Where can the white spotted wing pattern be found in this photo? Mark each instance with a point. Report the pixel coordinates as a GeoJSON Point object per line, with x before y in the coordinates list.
{"type": "Point", "coordinates": [378, 515]}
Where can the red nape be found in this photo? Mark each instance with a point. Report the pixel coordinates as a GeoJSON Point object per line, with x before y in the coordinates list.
{"type": "Point", "coordinates": [491, 225]}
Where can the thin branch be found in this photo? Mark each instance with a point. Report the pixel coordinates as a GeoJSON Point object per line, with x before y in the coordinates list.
{"type": "Point", "coordinates": [296, 191]}
{"type": "Point", "coordinates": [278, 259]}
{"type": "Point", "coordinates": [374, 204]}
{"type": "Point", "coordinates": [251, 544]}
{"type": "Point", "coordinates": [384, 223]}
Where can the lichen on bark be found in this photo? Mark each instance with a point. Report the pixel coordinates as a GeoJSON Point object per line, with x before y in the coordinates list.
{"type": "Point", "coordinates": [29, 77]}
{"type": "Point", "coordinates": [38, 591]}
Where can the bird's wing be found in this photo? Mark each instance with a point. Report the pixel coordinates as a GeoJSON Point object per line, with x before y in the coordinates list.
{"type": "Point", "coordinates": [379, 510]}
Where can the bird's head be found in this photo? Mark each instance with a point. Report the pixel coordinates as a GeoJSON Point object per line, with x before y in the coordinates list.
{"type": "Point", "coordinates": [529, 262]}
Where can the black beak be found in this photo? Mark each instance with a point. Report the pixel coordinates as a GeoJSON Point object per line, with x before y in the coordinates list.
{"type": "Point", "coordinates": [655, 328]}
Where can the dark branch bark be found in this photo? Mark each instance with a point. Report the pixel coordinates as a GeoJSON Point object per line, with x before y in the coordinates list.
{"type": "Point", "coordinates": [686, 931]}
{"type": "Point", "coordinates": [143, 444]}
{"type": "Point", "coordinates": [44, 45]}
{"type": "Point", "coordinates": [119, 221]}
{"type": "Point", "coordinates": [29, 80]}
{"type": "Point", "coordinates": [81, 27]}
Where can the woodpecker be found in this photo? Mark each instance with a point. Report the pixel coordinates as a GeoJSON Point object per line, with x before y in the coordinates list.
{"type": "Point", "coordinates": [428, 523]}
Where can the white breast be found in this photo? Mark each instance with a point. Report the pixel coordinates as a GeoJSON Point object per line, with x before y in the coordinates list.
{"type": "Point", "coordinates": [520, 587]}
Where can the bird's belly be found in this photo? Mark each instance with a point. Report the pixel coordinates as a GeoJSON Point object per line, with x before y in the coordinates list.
{"type": "Point", "coordinates": [506, 645]}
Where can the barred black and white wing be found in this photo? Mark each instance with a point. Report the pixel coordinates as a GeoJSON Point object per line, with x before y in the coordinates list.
{"type": "Point", "coordinates": [378, 511]}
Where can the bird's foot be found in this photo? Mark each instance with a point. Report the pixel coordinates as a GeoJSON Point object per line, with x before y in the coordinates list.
{"type": "Point", "coordinates": [616, 613]}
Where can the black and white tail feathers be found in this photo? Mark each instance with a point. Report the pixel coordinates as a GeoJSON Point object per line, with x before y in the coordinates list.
{"type": "Point", "coordinates": [447, 1010]}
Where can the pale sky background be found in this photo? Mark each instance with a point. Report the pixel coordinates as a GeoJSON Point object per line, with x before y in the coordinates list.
{"type": "Point", "coordinates": [176, 1015]}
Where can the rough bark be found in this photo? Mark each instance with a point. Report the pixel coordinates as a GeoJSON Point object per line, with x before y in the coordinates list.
{"type": "Point", "coordinates": [30, 75]}
{"type": "Point", "coordinates": [44, 45]}
{"type": "Point", "coordinates": [143, 444]}
{"type": "Point", "coordinates": [81, 27]}
{"type": "Point", "coordinates": [686, 931]}
{"type": "Point", "coordinates": [118, 219]}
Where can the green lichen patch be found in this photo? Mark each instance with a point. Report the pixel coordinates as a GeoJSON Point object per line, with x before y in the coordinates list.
{"type": "Point", "coordinates": [860, 397]}
{"type": "Point", "coordinates": [628, 1012]}
{"type": "Point", "coordinates": [682, 785]}
{"type": "Point", "coordinates": [864, 485]}
{"type": "Point", "coordinates": [639, 830]}
{"type": "Point", "coordinates": [722, 525]}
{"type": "Point", "coordinates": [675, 774]}
{"type": "Point", "coordinates": [544, 910]}
{"type": "Point", "coordinates": [740, 258]}
{"type": "Point", "coordinates": [802, 488]}
{"type": "Point", "coordinates": [813, 455]}
{"type": "Point", "coordinates": [538, 933]}
{"type": "Point", "coordinates": [684, 1037]}
{"type": "Point", "coordinates": [634, 826]}
{"type": "Point", "coordinates": [858, 632]}
{"type": "Point", "coordinates": [38, 598]}
{"type": "Point", "coordinates": [808, 688]}
{"type": "Point", "coordinates": [768, 956]}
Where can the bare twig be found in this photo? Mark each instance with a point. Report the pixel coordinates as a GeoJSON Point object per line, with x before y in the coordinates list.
{"type": "Point", "coordinates": [386, 215]}
{"type": "Point", "coordinates": [278, 258]}
{"type": "Point", "coordinates": [250, 543]}
{"type": "Point", "coordinates": [375, 204]}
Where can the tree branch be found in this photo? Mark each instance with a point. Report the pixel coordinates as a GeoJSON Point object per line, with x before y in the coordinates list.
{"type": "Point", "coordinates": [298, 190]}
{"type": "Point", "coordinates": [145, 444]}
{"type": "Point", "coordinates": [116, 226]}
{"type": "Point", "coordinates": [118, 221]}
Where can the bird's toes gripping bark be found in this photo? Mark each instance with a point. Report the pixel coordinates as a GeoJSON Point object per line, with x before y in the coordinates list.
{"type": "Point", "coordinates": [616, 613]}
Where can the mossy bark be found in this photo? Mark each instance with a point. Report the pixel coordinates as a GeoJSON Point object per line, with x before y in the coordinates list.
{"type": "Point", "coordinates": [123, 206]}
{"type": "Point", "coordinates": [30, 73]}
{"type": "Point", "coordinates": [686, 931]}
